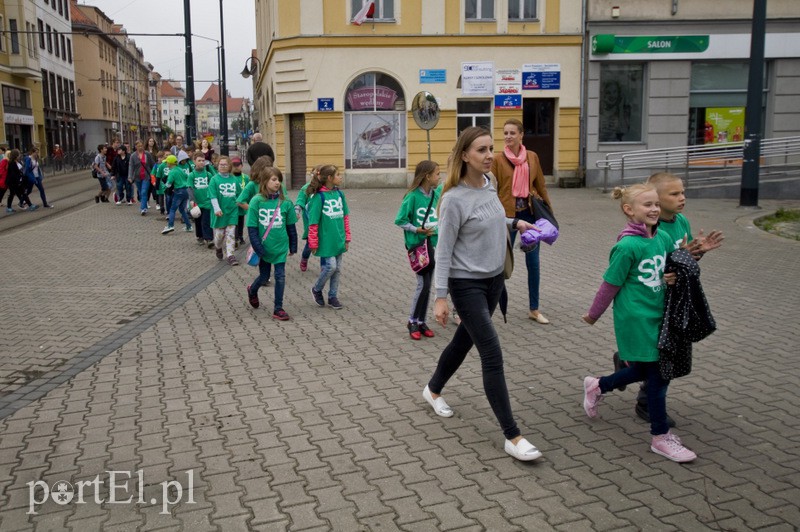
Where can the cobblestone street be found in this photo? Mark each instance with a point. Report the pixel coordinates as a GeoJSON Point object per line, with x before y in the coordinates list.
{"type": "Point", "coordinates": [125, 350]}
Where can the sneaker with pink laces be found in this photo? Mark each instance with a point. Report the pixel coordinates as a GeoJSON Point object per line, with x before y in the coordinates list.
{"type": "Point", "coordinates": [591, 395]}
{"type": "Point", "coordinates": [669, 446]}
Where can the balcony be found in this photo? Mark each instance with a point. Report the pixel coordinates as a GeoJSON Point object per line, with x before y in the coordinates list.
{"type": "Point", "coordinates": [24, 66]}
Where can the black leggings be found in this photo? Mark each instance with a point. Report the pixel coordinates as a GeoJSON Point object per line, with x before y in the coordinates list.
{"type": "Point", "coordinates": [476, 300]}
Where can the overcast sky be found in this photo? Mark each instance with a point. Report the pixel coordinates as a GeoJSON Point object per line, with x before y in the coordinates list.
{"type": "Point", "coordinates": [166, 54]}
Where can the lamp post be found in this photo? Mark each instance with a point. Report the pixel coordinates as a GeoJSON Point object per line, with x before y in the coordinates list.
{"type": "Point", "coordinates": [248, 71]}
{"type": "Point", "coordinates": [223, 120]}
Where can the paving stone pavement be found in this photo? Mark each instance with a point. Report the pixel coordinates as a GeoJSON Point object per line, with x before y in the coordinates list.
{"type": "Point", "coordinates": [122, 350]}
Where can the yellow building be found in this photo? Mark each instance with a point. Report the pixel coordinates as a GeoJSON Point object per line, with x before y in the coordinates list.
{"type": "Point", "coordinates": [22, 109]}
{"type": "Point", "coordinates": [330, 90]}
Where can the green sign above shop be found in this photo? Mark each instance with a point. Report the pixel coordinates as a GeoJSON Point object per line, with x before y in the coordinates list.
{"type": "Point", "coordinates": [680, 44]}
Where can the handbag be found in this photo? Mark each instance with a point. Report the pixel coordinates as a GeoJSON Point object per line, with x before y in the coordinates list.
{"type": "Point", "coordinates": [540, 210]}
{"type": "Point", "coordinates": [508, 265]}
{"type": "Point", "coordinates": [252, 257]}
{"type": "Point", "coordinates": [420, 257]}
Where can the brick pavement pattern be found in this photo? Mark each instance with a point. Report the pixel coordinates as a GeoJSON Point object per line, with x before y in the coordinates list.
{"type": "Point", "coordinates": [318, 423]}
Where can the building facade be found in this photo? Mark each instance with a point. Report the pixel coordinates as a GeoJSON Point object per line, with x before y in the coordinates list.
{"type": "Point", "coordinates": [173, 107]}
{"type": "Point", "coordinates": [331, 91]}
{"type": "Point", "coordinates": [54, 43]}
{"type": "Point", "coordinates": [21, 112]}
{"type": "Point", "coordinates": [154, 105]}
{"type": "Point", "coordinates": [96, 79]}
{"type": "Point", "coordinates": [671, 74]}
{"type": "Point", "coordinates": [132, 94]}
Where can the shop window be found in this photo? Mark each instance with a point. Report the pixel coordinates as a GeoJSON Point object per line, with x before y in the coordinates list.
{"type": "Point", "coordinates": [717, 101]}
{"type": "Point", "coordinates": [521, 10]}
{"type": "Point", "coordinates": [384, 9]}
{"type": "Point", "coordinates": [478, 10]}
{"type": "Point", "coordinates": [375, 122]}
{"type": "Point", "coordinates": [473, 113]}
{"type": "Point", "coordinates": [621, 102]}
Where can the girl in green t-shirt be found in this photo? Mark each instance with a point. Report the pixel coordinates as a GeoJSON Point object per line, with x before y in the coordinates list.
{"type": "Point", "coordinates": [635, 281]}
{"type": "Point", "coordinates": [328, 231]}
{"type": "Point", "coordinates": [300, 209]}
{"type": "Point", "coordinates": [417, 218]}
{"type": "Point", "coordinates": [270, 227]}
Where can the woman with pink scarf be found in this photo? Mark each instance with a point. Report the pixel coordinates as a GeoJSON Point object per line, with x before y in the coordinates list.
{"type": "Point", "coordinates": [519, 179]}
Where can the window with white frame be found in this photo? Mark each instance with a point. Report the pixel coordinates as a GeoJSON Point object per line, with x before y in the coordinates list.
{"type": "Point", "coordinates": [384, 9]}
{"type": "Point", "coordinates": [473, 113]}
{"type": "Point", "coordinates": [478, 9]}
{"type": "Point", "coordinates": [521, 10]}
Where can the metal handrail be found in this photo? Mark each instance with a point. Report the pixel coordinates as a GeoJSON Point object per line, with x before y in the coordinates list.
{"type": "Point", "coordinates": [706, 157]}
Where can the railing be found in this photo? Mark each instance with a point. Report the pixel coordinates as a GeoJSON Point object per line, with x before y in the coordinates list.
{"type": "Point", "coordinates": [71, 162]}
{"type": "Point", "coordinates": [712, 162]}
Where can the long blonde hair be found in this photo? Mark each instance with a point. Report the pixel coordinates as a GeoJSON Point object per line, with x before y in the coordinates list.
{"type": "Point", "coordinates": [457, 168]}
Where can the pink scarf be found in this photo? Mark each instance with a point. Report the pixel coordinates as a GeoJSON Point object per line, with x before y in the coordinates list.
{"type": "Point", "coordinates": [519, 186]}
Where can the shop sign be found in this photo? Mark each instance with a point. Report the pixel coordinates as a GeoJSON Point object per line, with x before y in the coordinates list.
{"type": "Point", "coordinates": [12, 118]}
{"type": "Point", "coordinates": [508, 81]}
{"type": "Point", "coordinates": [325, 104]}
{"type": "Point", "coordinates": [433, 76]}
{"type": "Point", "coordinates": [477, 79]}
{"type": "Point", "coordinates": [643, 44]}
{"type": "Point", "coordinates": [508, 101]}
{"type": "Point", "coordinates": [369, 99]}
{"type": "Point", "coordinates": [541, 76]}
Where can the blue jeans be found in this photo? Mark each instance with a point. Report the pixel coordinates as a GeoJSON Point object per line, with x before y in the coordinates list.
{"type": "Point", "coordinates": [205, 225]}
{"type": "Point", "coordinates": [331, 268]}
{"type": "Point", "coordinates": [124, 189]}
{"type": "Point", "coordinates": [179, 199]}
{"type": "Point", "coordinates": [476, 300]}
{"type": "Point", "coordinates": [306, 252]}
{"type": "Point", "coordinates": [38, 183]}
{"type": "Point", "coordinates": [144, 192]}
{"type": "Point", "coordinates": [656, 390]}
{"type": "Point", "coordinates": [264, 268]}
{"type": "Point", "coordinates": [531, 263]}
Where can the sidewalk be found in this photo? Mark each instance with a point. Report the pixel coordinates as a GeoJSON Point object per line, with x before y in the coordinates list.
{"type": "Point", "coordinates": [124, 350]}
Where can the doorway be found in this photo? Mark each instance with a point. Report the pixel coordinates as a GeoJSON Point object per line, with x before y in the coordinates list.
{"type": "Point", "coordinates": [297, 142]}
{"type": "Point", "coordinates": [538, 120]}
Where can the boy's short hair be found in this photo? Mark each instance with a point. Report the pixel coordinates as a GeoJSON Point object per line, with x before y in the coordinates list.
{"type": "Point", "coordinates": [662, 177]}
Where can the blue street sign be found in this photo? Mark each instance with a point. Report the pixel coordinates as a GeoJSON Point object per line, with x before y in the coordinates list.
{"type": "Point", "coordinates": [324, 104]}
{"type": "Point", "coordinates": [433, 76]}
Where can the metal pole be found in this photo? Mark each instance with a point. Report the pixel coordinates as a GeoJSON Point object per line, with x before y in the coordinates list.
{"type": "Point", "coordinates": [752, 125]}
{"type": "Point", "coordinates": [223, 86]}
{"type": "Point", "coordinates": [428, 133]}
{"type": "Point", "coordinates": [219, 88]}
{"type": "Point", "coordinates": [190, 110]}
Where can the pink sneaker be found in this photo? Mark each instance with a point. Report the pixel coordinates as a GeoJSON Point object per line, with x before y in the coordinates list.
{"type": "Point", "coordinates": [669, 446]}
{"type": "Point", "coordinates": [591, 395]}
{"type": "Point", "coordinates": [303, 265]}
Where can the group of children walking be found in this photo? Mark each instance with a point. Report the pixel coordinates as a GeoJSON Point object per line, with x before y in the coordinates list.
{"type": "Point", "coordinates": [635, 281]}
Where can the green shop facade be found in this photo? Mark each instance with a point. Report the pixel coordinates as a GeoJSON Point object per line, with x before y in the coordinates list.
{"type": "Point", "coordinates": [682, 86]}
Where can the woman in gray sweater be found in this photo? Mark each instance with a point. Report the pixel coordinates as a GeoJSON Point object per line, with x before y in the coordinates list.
{"type": "Point", "coordinates": [469, 265]}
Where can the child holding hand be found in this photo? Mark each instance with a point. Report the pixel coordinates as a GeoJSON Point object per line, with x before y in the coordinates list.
{"type": "Point", "coordinates": [635, 281]}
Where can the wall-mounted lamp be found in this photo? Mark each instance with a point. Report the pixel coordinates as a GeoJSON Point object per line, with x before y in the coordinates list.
{"type": "Point", "coordinates": [252, 69]}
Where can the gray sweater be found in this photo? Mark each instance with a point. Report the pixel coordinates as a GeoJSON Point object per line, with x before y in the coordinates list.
{"type": "Point", "coordinates": [472, 235]}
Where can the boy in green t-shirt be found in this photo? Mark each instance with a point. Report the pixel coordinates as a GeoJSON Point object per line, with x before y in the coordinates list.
{"type": "Point", "coordinates": [672, 196]}
{"type": "Point", "coordinates": [199, 180]}
{"type": "Point", "coordinates": [178, 181]}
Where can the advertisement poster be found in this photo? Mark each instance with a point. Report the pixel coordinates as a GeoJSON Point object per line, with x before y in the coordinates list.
{"type": "Point", "coordinates": [724, 124]}
{"type": "Point", "coordinates": [375, 140]}
{"type": "Point", "coordinates": [477, 79]}
{"type": "Point", "coordinates": [541, 76]}
{"type": "Point", "coordinates": [508, 89]}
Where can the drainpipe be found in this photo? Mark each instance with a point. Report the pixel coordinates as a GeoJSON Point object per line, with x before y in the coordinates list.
{"type": "Point", "coordinates": [582, 129]}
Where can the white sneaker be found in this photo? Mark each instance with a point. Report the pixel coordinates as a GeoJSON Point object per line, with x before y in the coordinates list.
{"type": "Point", "coordinates": [523, 450]}
{"type": "Point", "coordinates": [439, 405]}
{"type": "Point", "coordinates": [118, 203]}
{"type": "Point", "coordinates": [167, 229]}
